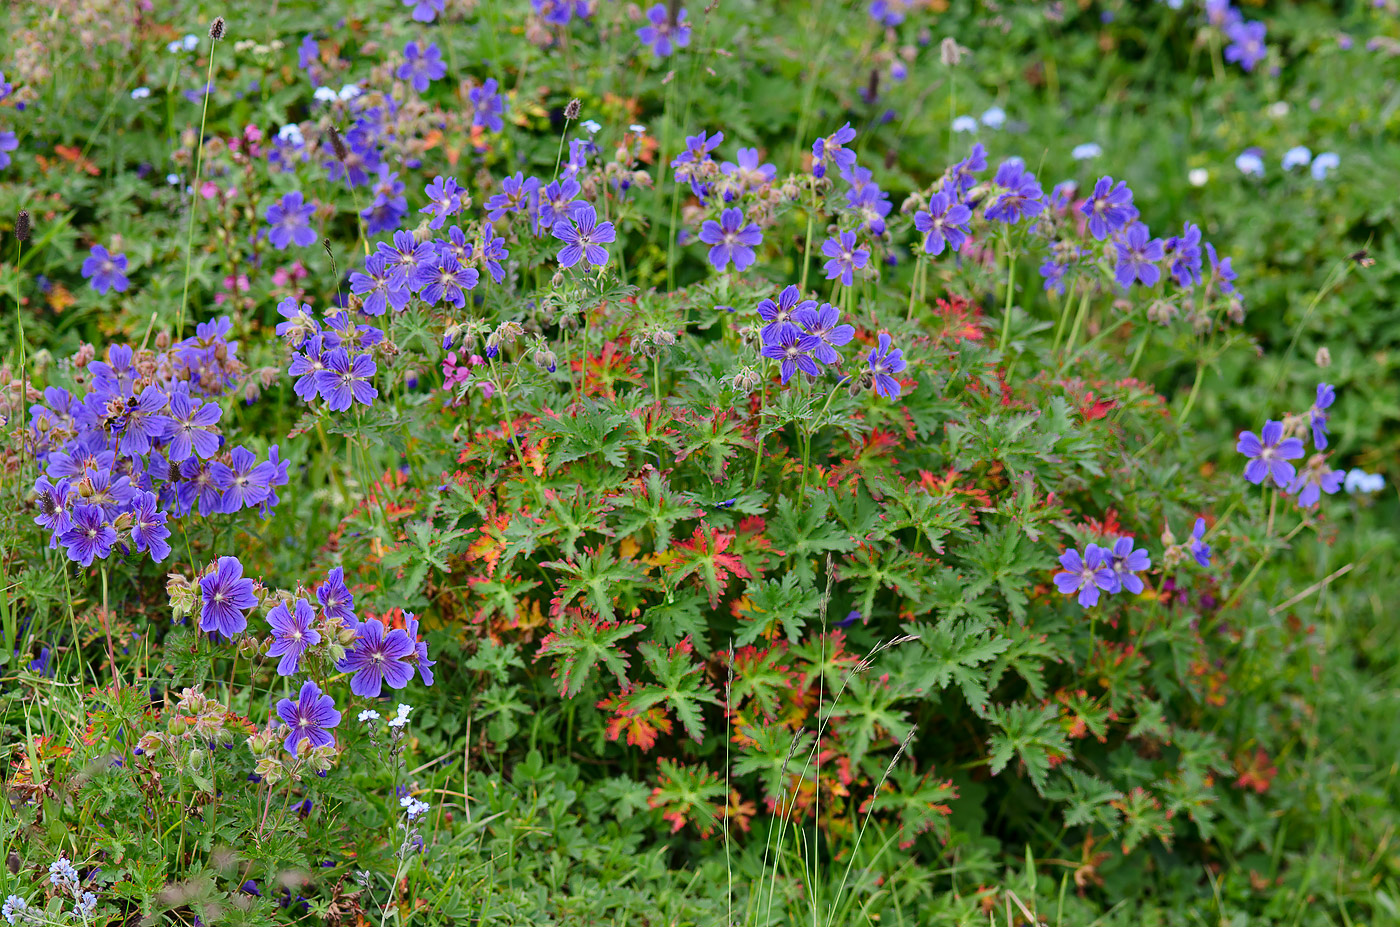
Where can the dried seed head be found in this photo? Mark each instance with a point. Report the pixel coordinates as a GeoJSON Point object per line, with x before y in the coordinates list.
{"type": "Point", "coordinates": [23, 225]}
{"type": "Point", "coordinates": [950, 52]}
{"type": "Point", "coordinates": [1324, 357]}
{"type": "Point", "coordinates": [217, 29]}
{"type": "Point", "coordinates": [338, 144]}
{"type": "Point", "coordinates": [572, 110]}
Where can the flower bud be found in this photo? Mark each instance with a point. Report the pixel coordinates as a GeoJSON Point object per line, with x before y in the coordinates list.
{"type": "Point", "coordinates": [23, 225]}
{"type": "Point", "coordinates": [217, 29]}
{"type": "Point", "coordinates": [746, 380]}
{"type": "Point", "coordinates": [1323, 357]}
{"type": "Point", "coordinates": [572, 111]}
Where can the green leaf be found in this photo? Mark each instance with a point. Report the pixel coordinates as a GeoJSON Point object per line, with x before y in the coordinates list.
{"type": "Point", "coordinates": [598, 578]}
{"type": "Point", "coordinates": [1032, 733]}
{"type": "Point", "coordinates": [581, 643]}
{"type": "Point", "coordinates": [787, 603]}
{"type": "Point", "coordinates": [681, 686]}
{"type": "Point", "coordinates": [804, 531]}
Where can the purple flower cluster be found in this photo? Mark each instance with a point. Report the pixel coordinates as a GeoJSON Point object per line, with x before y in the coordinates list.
{"type": "Point", "coordinates": [333, 362]}
{"type": "Point", "coordinates": [142, 446]}
{"type": "Point", "coordinates": [1103, 569]}
{"type": "Point", "coordinates": [1270, 451]}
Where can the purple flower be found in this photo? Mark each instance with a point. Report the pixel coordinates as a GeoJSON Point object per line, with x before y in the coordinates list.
{"type": "Point", "coordinates": [143, 422]}
{"type": "Point", "coordinates": [421, 67]}
{"type": "Point", "coordinates": [378, 658]}
{"type": "Point", "coordinates": [88, 535]}
{"type": "Point", "coordinates": [884, 362]}
{"type": "Point", "coordinates": [54, 502]}
{"type": "Point", "coordinates": [487, 106]}
{"type": "Point", "coordinates": [301, 323]}
{"type": "Point", "coordinates": [446, 279]}
{"type": "Point", "coordinates": [731, 239]}
{"type": "Point", "coordinates": [1023, 196]}
{"type": "Point", "coordinates": [1315, 479]}
{"type": "Point", "coordinates": [345, 381]}
{"type": "Point", "coordinates": [557, 201]}
{"type": "Point", "coordinates": [1199, 548]}
{"type": "Point", "coordinates": [748, 173]}
{"type": "Point", "coordinates": [389, 206]}
{"type": "Point", "coordinates": [377, 285]}
{"type": "Point", "coordinates": [492, 254]}
{"type": "Point", "coordinates": [337, 601]}
{"type": "Point", "coordinates": [243, 481]}
{"type": "Point", "coordinates": [663, 35]}
{"type": "Point", "coordinates": [824, 324]}
{"type": "Point", "coordinates": [1246, 46]}
{"type": "Point", "coordinates": [1269, 454]}
{"type": "Point", "coordinates": [106, 271]}
{"type": "Point", "coordinates": [779, 315]}
{"type": "Point", "coordinates": [1109, 208]}
{"type": "Point", "coordinates": [148, 530]}
{"type": "Point", "coordinates": [1222, 270]}
{"type": "Point", "coordinates": [290, 222]}
{"type": "Point", "coordinates": [292, 634]}
{"type": "Point", "coordinates": [225, 595]}
{"type": "Point", "coordinates": [1317, 415]}
{"type": "Point", "coordinates": [793, 350]}
{"type": "Point", "coordinates": [404, 256]}
{"type": "Point", "coordinates": [515, 196]}
{"type": "Point", "coordinates": [424, 11]}
{"type": "Point", "coordinates": [443, 200]}
{"type": "Point", "coordinates": [8, 143]}
{"type": "Point", "coordinates": [1138, 257]}
{"type": "Point", "coordinates": [420, 649]}
{"type": "Point", "coordinates": [833, 149]}
{"type": "Point", "coordinates": [697, 152]}
{"type": "Point", "coordinates": [1085, 576]}
{"type": "Point", "coordinates": [583, 237]}
{"type": "Point", "coordinates": [310, 717]}
{"type": "Point", "coordinates": [844, 257]}
{"type": "Point", "coordinates": [871, 204]}
{"type": "Point", "coordinates": [1185, 251]}
{"type": "Point", "coordinates": [1125, 563]}
{"type": "Point", "coordinates": [305, 366]}
{"type": "Point", "coordinates": [945, 221]}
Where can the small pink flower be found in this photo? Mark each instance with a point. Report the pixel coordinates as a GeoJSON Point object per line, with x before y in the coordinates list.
{"type": "Point", "coordinates": [209, 190]}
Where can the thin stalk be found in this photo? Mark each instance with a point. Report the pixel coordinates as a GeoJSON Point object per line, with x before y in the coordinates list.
{"type": "Point", "coordinates": [807, 248]}
{"type": "Point", "coordinates": [1010, 293]}
{"type": "Point", "coordinates": [194, 192]}
{"type": "Point", "coordinates": [1195, 391]}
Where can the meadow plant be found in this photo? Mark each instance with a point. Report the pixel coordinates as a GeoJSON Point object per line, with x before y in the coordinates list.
{"type": "Point", "coordinates": [782, 492]}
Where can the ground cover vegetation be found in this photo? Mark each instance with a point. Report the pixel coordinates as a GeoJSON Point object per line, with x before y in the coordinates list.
{"type": "Point", "coordinates": [569, 462]}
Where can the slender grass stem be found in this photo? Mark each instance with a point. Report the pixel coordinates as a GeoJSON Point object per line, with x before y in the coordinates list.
{"type": "Point", "coordinates": [194, 192]}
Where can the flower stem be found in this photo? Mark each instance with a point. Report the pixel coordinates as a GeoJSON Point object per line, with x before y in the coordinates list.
{"type": "Point", "coordinates": [194, 192]}
{"type": "Point", "coordinates": [807, 248]}
{"type": "Point", "coordinates": [1195, 391]}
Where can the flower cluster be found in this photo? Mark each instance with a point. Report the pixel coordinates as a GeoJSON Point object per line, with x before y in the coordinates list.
{"type": "Point", "coordinates": [1109, 570]}
{"type": "Point", "coordinates": [143, 444]}
{"type": "Point", "coordinates": [1269, 453]}
{"type": "Point", "coordinates": [334, 362]}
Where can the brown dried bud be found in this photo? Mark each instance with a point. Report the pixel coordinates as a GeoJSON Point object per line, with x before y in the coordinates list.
{"type": "Point", "coordinates": [572, 110]}
{"type": "Point", "coordinates": [23, 225]}
{"type": "Point", "coordinates": [217, 29]}
{"type": "Point", "coordinates": [338, 144]}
